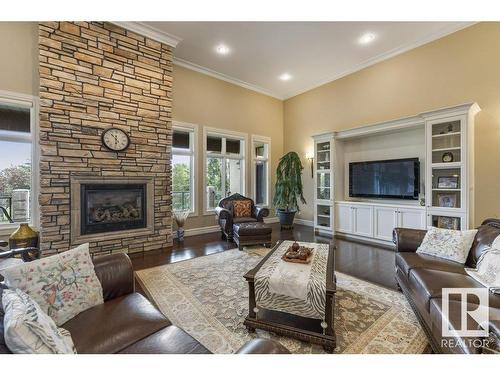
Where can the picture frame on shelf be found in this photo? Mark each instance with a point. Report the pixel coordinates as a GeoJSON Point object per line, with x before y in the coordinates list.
{"type": "Point", "coordinates": [447, 222]}
{"type": "Point", "coordinates": [447, 182]}
{"type": "Point", "coordinates": [447, 200]}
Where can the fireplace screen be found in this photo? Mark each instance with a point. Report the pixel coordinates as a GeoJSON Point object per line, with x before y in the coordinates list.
{"type": "Point", "coordinates": [112, 207]}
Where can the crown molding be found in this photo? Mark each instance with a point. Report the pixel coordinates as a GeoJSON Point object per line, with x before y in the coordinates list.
{"type": "Point", "coordinates": [150, 32]}
{"type": "Point", "coordinates": [384, 56]}
{"type": "Point", "coordinates": [235, 81]}
{"type": "Point", "coordinates": [172, 40]}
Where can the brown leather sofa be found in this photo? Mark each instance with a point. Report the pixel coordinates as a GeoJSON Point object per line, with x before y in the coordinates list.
{"type": "Point", "coordinates": [128, 323]}
{"type": "Point", "coordinates": [422, 277]}
{"type": "Point", "coordinates": [226, 219]}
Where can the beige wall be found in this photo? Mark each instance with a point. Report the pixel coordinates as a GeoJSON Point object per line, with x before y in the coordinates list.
{"type": "Point", "coordinates": [19, 62]}
{"type": "Point", "coordinates": [462, 67]}
{"type": "Point", "coordinates": [206, 101]}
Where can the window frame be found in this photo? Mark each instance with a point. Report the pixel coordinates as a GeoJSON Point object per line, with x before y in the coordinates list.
{"type": "Point", "coordinates": [19, 100]}
{"type": "Point", "coordinates": [192, 129]}
{"type": "Point", "coordinates": [223, 133]}
{"type": "Point", "coordinates": [267, 160]}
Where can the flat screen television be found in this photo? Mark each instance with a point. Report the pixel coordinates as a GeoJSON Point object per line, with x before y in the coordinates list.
{"type": "Point", "coordinates": [396, 179]}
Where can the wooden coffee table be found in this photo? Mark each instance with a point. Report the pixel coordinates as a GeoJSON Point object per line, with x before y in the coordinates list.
{"type": "Point", "coordinates": [291, 325]}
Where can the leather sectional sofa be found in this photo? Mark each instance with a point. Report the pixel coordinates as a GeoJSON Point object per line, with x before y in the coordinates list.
{"type": "Point", "coordinates": [128, 323]}
{"type": "Point", "coordinates": [422, 277]}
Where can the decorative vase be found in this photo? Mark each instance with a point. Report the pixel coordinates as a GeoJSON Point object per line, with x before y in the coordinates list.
{"type": "Point", "coordinates": [180, 219]}
{"type": "Point", "coordinates": [180, 234]}
{"type": "Point", "coordinates": [24, 236]}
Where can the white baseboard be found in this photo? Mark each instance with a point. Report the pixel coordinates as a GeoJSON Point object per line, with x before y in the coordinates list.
{"type": "Point", "coordinates": [366, 240]}
{"type": "Point", "coordinates": [197, 231]}
{"type": "Point", "coordinates": [271, 220]}
{"type": "Point", "coordinates": [214, 228]}
{"type": "Point", "coordinates": [308, 223]}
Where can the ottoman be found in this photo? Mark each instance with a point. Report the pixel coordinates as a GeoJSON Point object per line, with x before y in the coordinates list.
{"type": "Point", "coordinates": [252, 234]}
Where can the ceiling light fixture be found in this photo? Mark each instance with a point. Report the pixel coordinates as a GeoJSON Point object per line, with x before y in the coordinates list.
{"type": "Point", "coordinates": [366, 38]}
{"type": "Point", "coordinates": [222, 49]}
{"type": "Point", "coordinates": [285, 77]}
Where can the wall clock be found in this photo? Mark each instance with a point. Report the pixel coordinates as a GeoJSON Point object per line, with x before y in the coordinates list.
{"type": "Point", "coordinates": [115, 139]}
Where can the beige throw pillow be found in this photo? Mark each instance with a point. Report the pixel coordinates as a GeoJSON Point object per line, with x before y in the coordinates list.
{"type": "Point", "coordinates": [63, 285]}
{"type": "Point", "coordinates": [487, 271]}
{"type": "Point", "coordinates": [28, 330]}
{"type": "Point", "coordinates": [448, 244]}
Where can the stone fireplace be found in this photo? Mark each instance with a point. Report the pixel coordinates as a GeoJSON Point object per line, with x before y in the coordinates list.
{"type": "Point", "coordinates": [95, 76]}
{"type": "Point", "coordinates": [111, 208]}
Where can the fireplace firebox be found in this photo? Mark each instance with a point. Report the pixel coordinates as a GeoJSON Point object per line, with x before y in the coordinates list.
{"type": "Point", "coordinates": [112, 207]}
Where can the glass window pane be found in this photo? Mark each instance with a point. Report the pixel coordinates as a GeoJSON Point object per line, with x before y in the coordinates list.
{"type": "Point", "coordinates": [214, 144]}
{"type": "Point", "coordinates": [181, 140]}
{"type": "Point", "coordinates": [181, 182]}
{"type": "Point", "coordinates": [214, 182]}
{"type": "Point", "coordinates": [15, 119]}
{"type": "Point", "coordinates": [260, 183]}
{"type": "Point", "coordinates": [15, 181]}
{"type": "Point", "coordinates": [233, 146]}
{"type": "Point", "coordinates": [260, 150]}
{"type": "Point", "coordinates": [233, 176]}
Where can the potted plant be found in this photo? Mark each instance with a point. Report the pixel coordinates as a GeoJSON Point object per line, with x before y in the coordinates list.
{"type": "Point", "coordinates": [288, 188]}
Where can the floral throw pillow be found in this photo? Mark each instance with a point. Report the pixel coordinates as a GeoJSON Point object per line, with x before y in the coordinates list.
{"type": "Point", "coordinates": [488, 270]}
{"type": "Point", "coordinates": [242, 208]}
{"type": "Point", "coordinates": [28, 330]}
{"type": "Point", "coordinates": [448, 244]}
{"type": "Point", "coordinates": [63, 285]}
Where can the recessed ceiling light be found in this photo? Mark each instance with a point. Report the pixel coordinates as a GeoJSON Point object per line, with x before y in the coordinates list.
{"type": "Point", "coordinates": [222, 49]}
{"type": "Point", "coordinates": [367, 38]}
{"type": "Point", "coordinates": [285, 77]}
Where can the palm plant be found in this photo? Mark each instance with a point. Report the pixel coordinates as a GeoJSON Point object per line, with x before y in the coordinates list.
{"type": "Point", "coordinates": [288, 188]}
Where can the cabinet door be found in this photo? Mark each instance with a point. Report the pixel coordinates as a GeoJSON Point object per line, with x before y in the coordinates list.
{"type": "Point", "coordinates": [413, 219]}
{"type": "Point", "coordinates": [384, 221]}
{"type": "Point", "coordinates": [343, 218]}
{"type": "Point", "coordinates": [363, 220]}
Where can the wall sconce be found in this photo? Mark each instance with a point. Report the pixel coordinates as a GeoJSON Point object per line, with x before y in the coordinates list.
{"type": "Point", "coordinates": [310, 157]}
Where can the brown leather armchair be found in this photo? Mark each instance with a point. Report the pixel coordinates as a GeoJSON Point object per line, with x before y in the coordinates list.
{"type": "Point", "coordinates": [128, 323]}
{"type": "Point", "coordinates": [226, 219]}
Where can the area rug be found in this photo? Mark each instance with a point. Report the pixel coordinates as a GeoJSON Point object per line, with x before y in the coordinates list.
{"type": "Point", "coordinates": [208, 298]}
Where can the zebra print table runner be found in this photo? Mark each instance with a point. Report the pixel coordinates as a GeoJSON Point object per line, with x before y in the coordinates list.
{"type": "Point", "coordinates": [303, 292]}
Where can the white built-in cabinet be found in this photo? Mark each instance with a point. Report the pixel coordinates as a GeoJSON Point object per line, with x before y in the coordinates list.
{"type": "Point", "coordinates": [323, 184]}
{"type": "Point", "coordinates": [448, 179]}
{"type": "Point", "coordinates": [450, 172]}
{"type": "Point", "coordinates": [370, 220]}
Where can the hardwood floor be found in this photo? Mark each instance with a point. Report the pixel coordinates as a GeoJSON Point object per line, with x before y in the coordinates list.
{"type": "Point", "coordinates": [368, 262]}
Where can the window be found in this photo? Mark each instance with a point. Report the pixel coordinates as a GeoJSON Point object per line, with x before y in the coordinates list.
{"type": "Point", "coordinates": [183, 167]}
{"type": "Point", "coordinates": [224, 165]}
{"type": "Point", "coordinates": [261, 150]}
{"type": "Point", "coordinates": [17, 164]}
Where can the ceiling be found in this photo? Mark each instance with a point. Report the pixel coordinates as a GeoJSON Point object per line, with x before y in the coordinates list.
{"type": "Point", "coordinates": [313, 53]}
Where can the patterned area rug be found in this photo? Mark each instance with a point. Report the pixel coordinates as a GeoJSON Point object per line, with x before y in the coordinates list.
{"type": "Point", "coordinates": [208, 298]}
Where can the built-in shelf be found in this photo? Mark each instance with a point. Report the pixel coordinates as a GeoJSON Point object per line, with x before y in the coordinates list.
{"type": "Point", "coordinates": [446, 149]}
{"type": "Point", "coordinates": [455, 164]}
{"type": "Point", "coordinates": [445, 134]}
{"type": "Point", "coordinates": [323, 195]}
{"type": "Point", "coordinates": [443, 189]}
